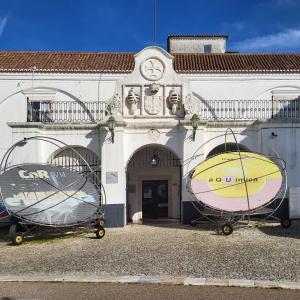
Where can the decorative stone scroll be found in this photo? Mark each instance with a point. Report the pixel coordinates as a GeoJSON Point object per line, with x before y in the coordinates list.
{"type": "Point", "coordinates": [191, 105]}
{"type": "Point", "coordinates": [115, 105]}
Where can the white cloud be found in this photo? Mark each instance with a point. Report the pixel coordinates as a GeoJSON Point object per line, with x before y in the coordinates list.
{"type": "Point", "coordinates": [3, 22]}
{"type": "Point", "coordinates": [284, 40]}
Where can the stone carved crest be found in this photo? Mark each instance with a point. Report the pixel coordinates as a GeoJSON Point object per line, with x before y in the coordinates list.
{"type": "Point", "coordinates": [153, 104]}
{"type": "Point", "coordinates": [152, 69]}
{"type": "Point", "coordinates": [132, 99]}
{"type": "Point", "coordinates": [114, 107]}
{"type": "Point", "coordinates": [174, 100]}
{"type": "Point", "coordinates": [191, 105]}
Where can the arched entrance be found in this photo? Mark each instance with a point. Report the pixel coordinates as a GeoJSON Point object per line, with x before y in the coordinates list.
{"type": "Point", "coordinates": [228, 147]}
{"type": "Point", "coordinates": [69, 158]}
{"type": "Point", "coordinates": [153, 184]}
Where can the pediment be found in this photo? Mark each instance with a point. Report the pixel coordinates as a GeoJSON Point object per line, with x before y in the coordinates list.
{"type": "Point", "coordinates": [153, 89]}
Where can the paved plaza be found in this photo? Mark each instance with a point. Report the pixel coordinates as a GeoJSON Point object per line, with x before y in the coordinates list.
{"type": "Point", "coordinates": [266, 253]}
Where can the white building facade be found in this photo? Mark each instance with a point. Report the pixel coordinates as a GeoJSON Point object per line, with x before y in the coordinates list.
{"type": "Point", "coordinates": [152, 96]}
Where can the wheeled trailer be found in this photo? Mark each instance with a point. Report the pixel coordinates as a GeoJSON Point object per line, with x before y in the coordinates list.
{"type": "Point", "coordinates": [20, 230]}
{"type": "Point", "coordinates": [49, 198]}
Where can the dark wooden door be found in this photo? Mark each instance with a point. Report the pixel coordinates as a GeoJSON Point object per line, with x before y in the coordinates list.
{"type": "Point", "coordinates": [155, 199]}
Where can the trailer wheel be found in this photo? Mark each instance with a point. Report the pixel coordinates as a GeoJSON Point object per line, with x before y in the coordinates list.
{"type": "Point", "coordinates": [12, 230]}
{"type": "Point", "coordinates": [101, 222]}
{"type": "Point", "coordinates": [193, 223]}
{"type": "Point", "coordinates": [227, 229]}
{"type": "Point", "coordinates": [286, 223]}
{"type": "Point", "coordinates": [100, 233]}
{"type": "Point", "coordinates": [17, 239]}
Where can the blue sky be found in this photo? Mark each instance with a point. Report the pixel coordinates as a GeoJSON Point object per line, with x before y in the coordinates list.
{"type": "Point", "coordinates": [127, 25]}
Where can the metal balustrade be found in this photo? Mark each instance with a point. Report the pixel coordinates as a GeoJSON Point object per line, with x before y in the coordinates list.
{"type": "Point", "coordinates": [65, 111]}
{"type": "Point", "coordinates": [249, 109]}
{"type": "Point", "coordinates": [91, 112]}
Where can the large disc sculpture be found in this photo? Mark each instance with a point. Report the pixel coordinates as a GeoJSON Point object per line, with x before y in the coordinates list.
{"type": "Point", "coordinates": [236, 184]}
{"type": "Point", "coordinates": [49, 195]}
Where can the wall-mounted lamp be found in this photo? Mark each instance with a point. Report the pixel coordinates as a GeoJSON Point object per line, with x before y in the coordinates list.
{"type": "Point", "coordinates": [22, 143]}
{"type": "Point", "coordinates": [195, 123]}
{"type": "Point", "coordinates": [111, 124]}
{"type": "Point", "coordinates": [273, 134]}
{"type": "Point", "coordinates": [154, 161]}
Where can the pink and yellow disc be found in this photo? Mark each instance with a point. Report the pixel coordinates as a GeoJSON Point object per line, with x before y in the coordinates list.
{"type": "Point", "coordinates": [220, 183]}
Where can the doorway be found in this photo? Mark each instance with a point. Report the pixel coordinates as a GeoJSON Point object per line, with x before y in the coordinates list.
{"type": "Point", "coordinates": [153, 189]}
{"type": "Point", "coordinates": [155, 199]}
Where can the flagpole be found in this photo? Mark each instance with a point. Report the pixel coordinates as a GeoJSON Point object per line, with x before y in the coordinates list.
{"type": "Point", "coordinates": [154, 21]}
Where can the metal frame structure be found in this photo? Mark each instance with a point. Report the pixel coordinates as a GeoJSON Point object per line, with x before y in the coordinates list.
{"type": "Point", "coordinates": [23, 227]}
{"type": "Point", "coordinates": [229, 220]}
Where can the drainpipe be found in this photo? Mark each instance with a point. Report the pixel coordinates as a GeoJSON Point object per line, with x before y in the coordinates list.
{"type": "Point", "coordinates": [272, 106]}
{"type": "Point", "coordinates": [180, 197]}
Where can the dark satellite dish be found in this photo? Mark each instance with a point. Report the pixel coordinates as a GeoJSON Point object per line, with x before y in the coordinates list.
{"type": "Point", "coordinates": [49, 195]}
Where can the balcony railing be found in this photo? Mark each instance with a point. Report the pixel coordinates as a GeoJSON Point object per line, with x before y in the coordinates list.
{"type": "Point", "coordinates": [65, 111]}
{"type": "Point", "coordinates": [249, 109]}
{"type": "Point", "coordinates": [91, 112]}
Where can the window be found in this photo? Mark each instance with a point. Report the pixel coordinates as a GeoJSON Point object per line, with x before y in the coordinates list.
{"type": "Point", "coordinates": [38, 111]}
{"type": "Point", "coordinates": [207, 48]}
{"type": "Point", "coordinates": [285, 105]}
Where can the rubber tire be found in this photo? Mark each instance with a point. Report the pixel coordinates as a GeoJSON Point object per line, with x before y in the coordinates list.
{"type": "Point", "coordinates": [12, 230]}
{"type": "Point", "coordinates": [286, 223]}
{"type": "Point", "coordinates": [100, 233]}
{"type": "Point", "coordinates": [227, 229]}
{"type": "Point", "coordinates": [17, 239]}
{"type": "Point", "coordinates": [101, 222]}
{"type": "Point", "coordinates": [193, 223]}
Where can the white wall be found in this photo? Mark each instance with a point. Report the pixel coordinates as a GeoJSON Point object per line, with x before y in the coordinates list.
{"type": "Point", "coordinates": [196, 45]}
{"type": "Point", "coordinates": [241, 86]}
{"type": "Point", "coordinates": [15, 88]}
{"type": "Point", "coordinates": [41, 151]}
{"type": "Point", "coordinates": [286, 146]}
{"type": "Point", "coordinates": [134, 133]}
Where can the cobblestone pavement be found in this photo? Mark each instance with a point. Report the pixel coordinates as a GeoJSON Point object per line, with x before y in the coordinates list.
{"type": "Point", "coordinates": [266, 253]}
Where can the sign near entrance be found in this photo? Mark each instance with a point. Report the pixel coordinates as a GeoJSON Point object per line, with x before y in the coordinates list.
{"type": "Point", "coordinates": [111, 177]}
{"type": "Point", "coordinates": [48, 195]}
{"type": "Point", "coordinates": [232, 183]}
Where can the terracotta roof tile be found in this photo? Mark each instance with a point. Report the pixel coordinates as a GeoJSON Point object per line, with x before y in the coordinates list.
{"type": "Point", "coordinates": [100, 62]}
{"type": "Point", "coordinates": [236, 63]}
{"type": "Point", "coordinates": [20, 61]}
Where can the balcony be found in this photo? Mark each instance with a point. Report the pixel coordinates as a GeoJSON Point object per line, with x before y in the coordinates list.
{"type": "Point", "coordinates": [223, 110]}
{"type": "Point", "coordinates": [209, 110]}
{"type": "Point", "coordinates": [65, 111]}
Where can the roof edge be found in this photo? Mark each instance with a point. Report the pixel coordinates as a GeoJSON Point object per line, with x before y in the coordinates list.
{"type": "Point", "coordinates": [225, 36]}
{"type": "Point", "coordinates": [161, 50]}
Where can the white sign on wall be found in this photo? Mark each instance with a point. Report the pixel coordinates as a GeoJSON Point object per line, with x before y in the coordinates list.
{"type": "Point", "coordinates": [111, 177]}
{"type": "Point", "coordinates": [294, 202]}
